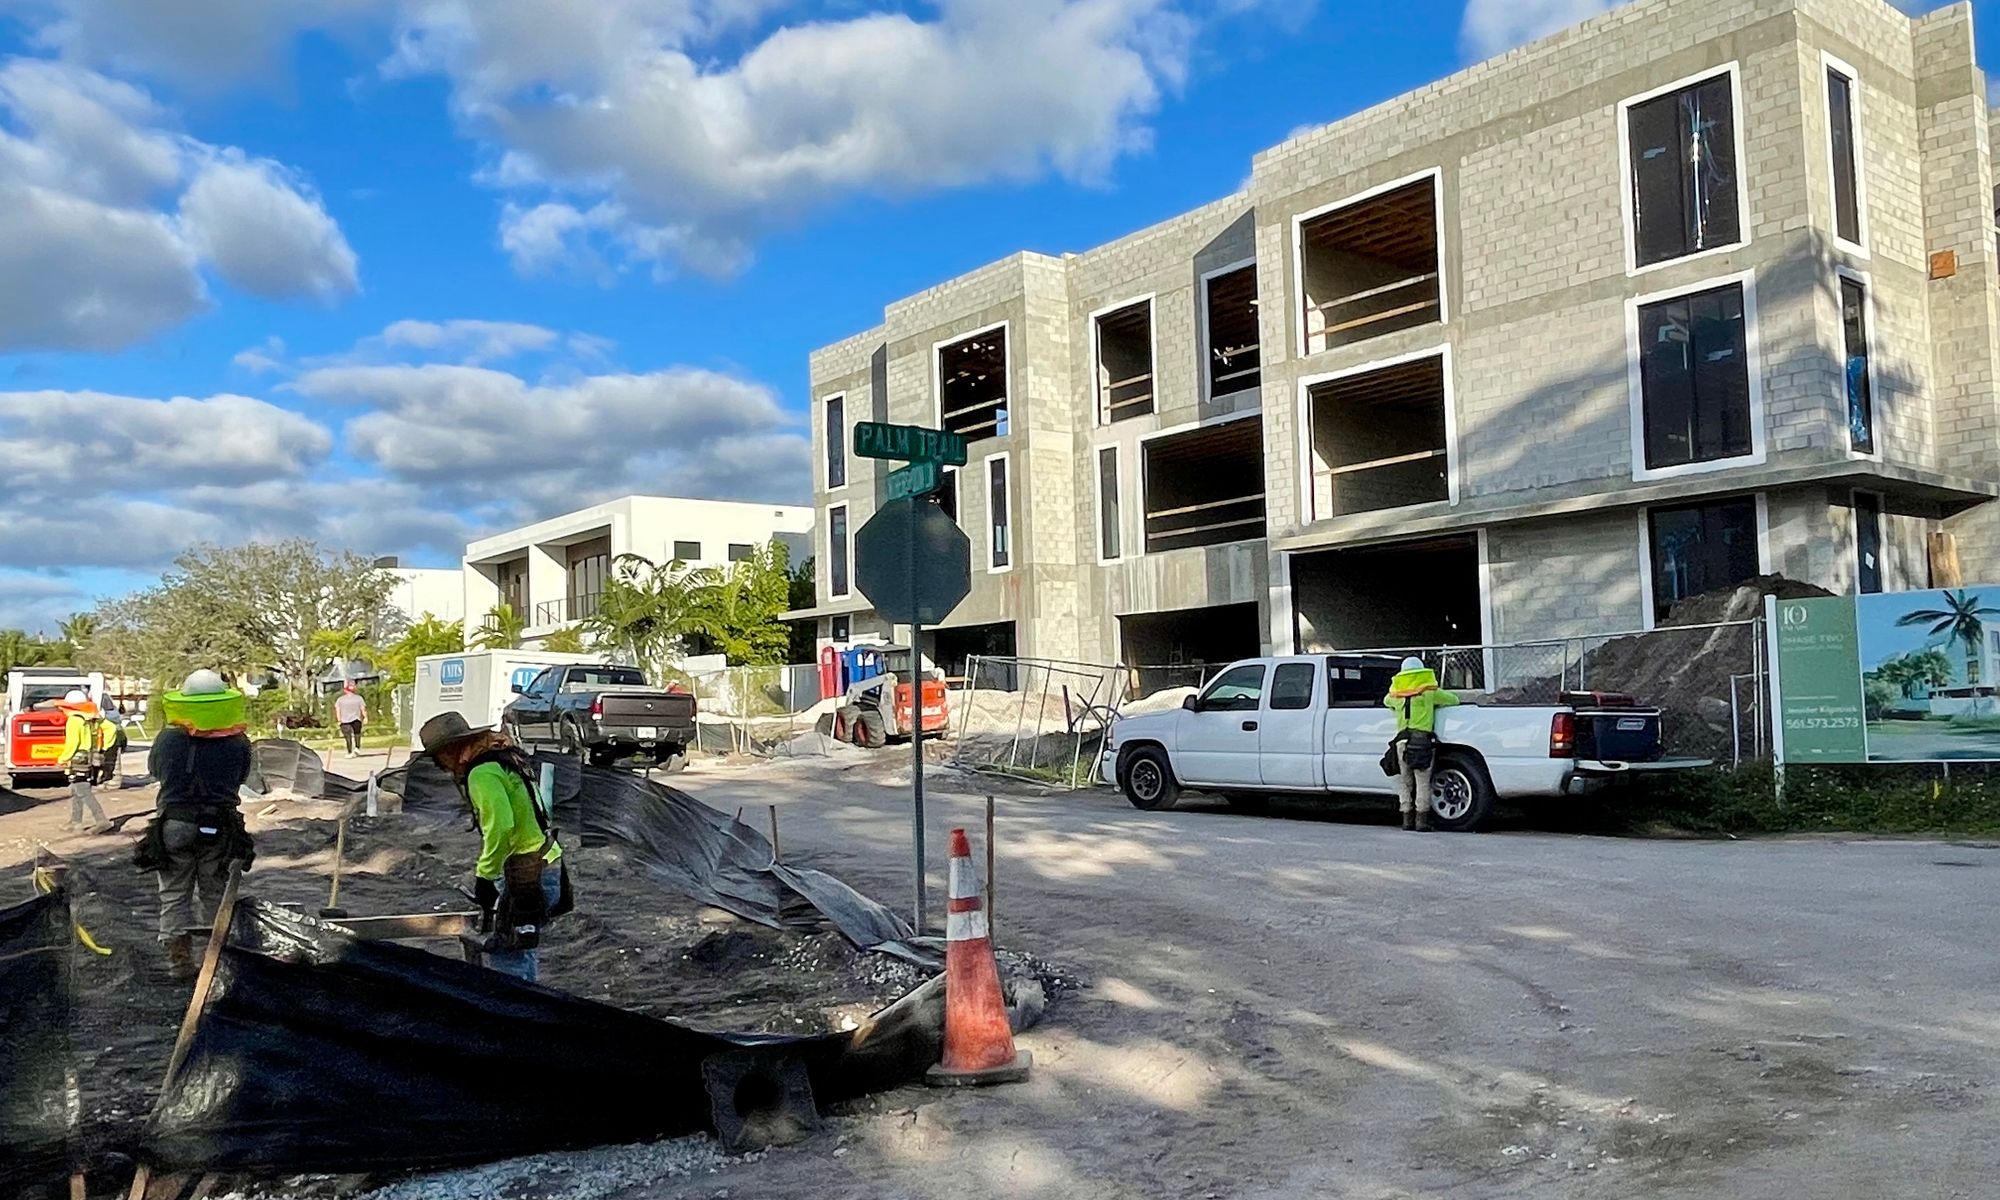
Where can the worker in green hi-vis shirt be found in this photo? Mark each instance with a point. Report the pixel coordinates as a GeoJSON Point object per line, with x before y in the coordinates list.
{"type": "Point", "coordinates": [519, 880]}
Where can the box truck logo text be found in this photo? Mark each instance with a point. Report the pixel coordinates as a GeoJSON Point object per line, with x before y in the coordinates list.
{"type": "Point", "coordinates": [451, 679]}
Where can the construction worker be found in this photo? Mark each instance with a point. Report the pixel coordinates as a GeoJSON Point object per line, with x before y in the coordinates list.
{"type": "Point", "coordinates": [197, 838]}
{"type": "Point", "coordinates": [519, 879]}
{"type": "Point", "coordinates": [1414, 696]}
{"type": "Point", "coordinates": [351, 711]}
{"type": "Point", "coordinates": [86, 736]}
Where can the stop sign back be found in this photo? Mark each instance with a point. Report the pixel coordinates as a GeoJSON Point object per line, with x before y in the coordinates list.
{"type": "Point", "coordinates": [912, 562]}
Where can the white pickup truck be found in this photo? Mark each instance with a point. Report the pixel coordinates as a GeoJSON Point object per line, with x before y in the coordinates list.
{"type": "Point", "coordinates": [1316, 723]}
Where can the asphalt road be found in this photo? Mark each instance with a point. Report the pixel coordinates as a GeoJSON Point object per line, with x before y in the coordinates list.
{"type": "Point", "coordinates": [1289, 1005]}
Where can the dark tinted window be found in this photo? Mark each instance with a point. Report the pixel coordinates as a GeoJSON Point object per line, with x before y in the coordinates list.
{"type": "Point", "coordinates": [590, 677]}
{"type": "Point", "coordinates": [1000, 545]}
{"type": "Point", "coordinates": [1860, 391]}
{"type": "Point", "coordinates": [1701, 548]}
{"type": "Point", "coordinates": [1108, 520]}
{"type": "Point", "coordinates": [836, 538]}
{"type": "Point", "coordinates": [1237, 689]}
{"type": "Point", "coordinates": [1292, 686]}
{"type": "Point", "coordinates": [1684, 172]}
{"type": "Point", "coordinates": [1694, 378]}
{"type": "Point", "coordinates": [1846, 189]}
{"type": "Point", "coordinates": [836, 441]}
{"type": "Point", "coordinates": [1868, 542]}
{"type": "Point", "coordinates": [1349, 682]}
{"type": "Point", "coordinates": [738, 551]}
{"type": "Point", "coordinates": [687, 551]}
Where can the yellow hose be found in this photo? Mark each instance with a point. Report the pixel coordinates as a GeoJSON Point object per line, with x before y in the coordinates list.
{"type": "Point", "coordinates": [47, 883]}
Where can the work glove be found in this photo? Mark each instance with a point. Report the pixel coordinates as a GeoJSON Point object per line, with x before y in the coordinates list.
{"type": "Point", "coordinates": [486, 894]}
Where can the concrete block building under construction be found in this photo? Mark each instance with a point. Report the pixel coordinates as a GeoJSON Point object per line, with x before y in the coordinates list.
{"type": "Point", "coordinates": [1693, 291]}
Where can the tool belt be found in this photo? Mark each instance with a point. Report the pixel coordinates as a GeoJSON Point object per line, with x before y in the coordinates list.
{"type": "Point", "coordinates": [524, 908]}
{"type": "Point", "coordinates": [1419, 752]}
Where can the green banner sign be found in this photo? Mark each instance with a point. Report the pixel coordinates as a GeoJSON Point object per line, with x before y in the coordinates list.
{"type": "Point", "coordinates": [1905, 677]}
{"type": "Point", "coordinates": [911, 443]}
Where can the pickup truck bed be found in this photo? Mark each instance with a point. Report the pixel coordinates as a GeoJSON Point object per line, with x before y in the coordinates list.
{"type": "Point", "coordinates": [1316, 724]}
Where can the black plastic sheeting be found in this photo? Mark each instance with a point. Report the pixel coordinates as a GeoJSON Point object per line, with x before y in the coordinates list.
{"type": "Point", "coordinates": [282, 765]}
{"type": "Point", "coordinates": [316, 1052]}
{"type": "Point", "coordinates": [688, 847]}
{"type": "Point", "coordinates": [38, 1104]}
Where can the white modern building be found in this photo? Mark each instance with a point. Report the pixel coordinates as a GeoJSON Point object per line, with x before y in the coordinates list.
{"type": "Point", "coordinates": [553, 572]}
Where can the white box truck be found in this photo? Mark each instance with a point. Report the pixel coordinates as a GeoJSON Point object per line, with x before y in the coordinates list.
{"type": "Point", "coordinates": [479, 683]}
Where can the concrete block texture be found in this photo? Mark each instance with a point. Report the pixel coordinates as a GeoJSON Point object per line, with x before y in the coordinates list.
{"type": "Point", "coordinates": [1540, 296]}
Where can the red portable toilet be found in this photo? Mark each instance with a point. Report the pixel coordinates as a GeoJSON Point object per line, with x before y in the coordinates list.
{"type": "Point", "coordinates": [829, 672]}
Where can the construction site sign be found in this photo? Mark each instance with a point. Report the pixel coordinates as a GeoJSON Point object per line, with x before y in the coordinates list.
{"type": "Point", "coordinates": [910, 443]}
{"type": "Point", "coordinates": [917, 479]}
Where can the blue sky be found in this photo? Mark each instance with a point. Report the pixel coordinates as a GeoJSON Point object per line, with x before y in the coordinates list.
{"type": "Point", "coordinates": [389, 273]}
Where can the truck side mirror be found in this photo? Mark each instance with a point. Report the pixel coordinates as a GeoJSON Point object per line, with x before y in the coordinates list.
{"type": "Point", "coordinates": [1191, 703]}
{"type": "Point", "coordinates": [517, 689]}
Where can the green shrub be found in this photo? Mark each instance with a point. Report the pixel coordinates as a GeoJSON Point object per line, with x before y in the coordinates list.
{"type": "Point", "coordinates": [1857, 799]}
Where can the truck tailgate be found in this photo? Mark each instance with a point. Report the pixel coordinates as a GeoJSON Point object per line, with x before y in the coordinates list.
{"type": "Point", "coordinates": [656, 709]}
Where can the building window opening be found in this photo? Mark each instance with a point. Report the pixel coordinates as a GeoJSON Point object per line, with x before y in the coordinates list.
{"type": "Point", "coordinates": [972, 385]}
{"type": "Point", "coordinates": [687, 551]}
{"type": "Point", "coordinates": [1867, 542]}
{"type": "Point", "coordinates": [1846, 177]}
{"type": "Point", "coordinates": [836, 441]}
{"type": "Point", "coordinates": [1699, 548]}
{"type": "Point", "coordinates": [1694, 373]}
{"type": "Point", "coordinates": [588, 566]}
{"type": "Point", "coordinates": [1205, 487]}
{"type": "Point", "coordinates": [1000, 545]}
{"type": "Point", "coordinates": [1109, 517]}
{"type": "Point", "coordinates": [836, 550]}
{"type": "Point", "coordinates": [1860, 389]}
{"type": "Point", "coordinates": [1125, 363]}
{"type": "Point", "coordinates": [1683, 172]}
{"type": "Point", "coordinates": [1371, 268]}
{"type": "Point", "coordinates": [1235, 362]}
{"type": "Point", "coordinates": [741, 552]}
{"type": "Point", "coordinates": [1379, 439]}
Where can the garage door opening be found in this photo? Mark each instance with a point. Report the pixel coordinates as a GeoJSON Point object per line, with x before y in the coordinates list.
{"type": "Point", "coordinates": [1407, 596]}
{"type": "Point", "coordinates": [1205, 487]}
{"type": "Point", "coordinates": [1379, 439]}
{"type": "Point", "coordinates": [1182, 648]}
{"type": "Point", "coordinates": [952, 651]}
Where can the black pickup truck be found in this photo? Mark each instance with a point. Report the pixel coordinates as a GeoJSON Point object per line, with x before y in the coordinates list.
{"type": "Point", "coordinates": [602, 713]}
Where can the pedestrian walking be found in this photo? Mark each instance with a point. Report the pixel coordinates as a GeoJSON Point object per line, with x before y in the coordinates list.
{"type": "Point", "coordinates": [519, 879]}
{"type": "Point", "coordinates": [1414, 696]}
{"type": "Point", "coordinates": [197, 838]}
{"type": "Point", "coordinates": [86, 736]}
{"type": "Point", "coordinates": [352, 712]}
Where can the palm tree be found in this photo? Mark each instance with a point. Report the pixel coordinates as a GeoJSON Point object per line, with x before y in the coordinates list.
{"type": "Point", "coordinates": [647, 609]}
{"type": "Point", "coordinates": [1961, 620]}
{"type": "Point", "coordinates": [1908, 672]}
{"type": "Point", "coordinates": [501, 630]}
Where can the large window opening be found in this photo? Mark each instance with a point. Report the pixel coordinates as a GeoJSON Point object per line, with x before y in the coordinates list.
{"type": "Point", "coordinates": [952, 650]}
{"type": "Point", "coordinates": [1860, 390]}
{"type": "Point", "coordinates": [1698, 548]}
{"type": "Point", "coordinates": [1694, 371]}
{"type": "Point", "coordinates": [1110, 520]}
{"type": "Point", "coordinates": [512, 580]}
{"type": "Point", "coordinates": [1185, 647]}
{"type": "Point", "coordinates": [836, 550]}
{"type": "Point", "coordinates": [1235, 362]}
{"type": "Point", "coordinates": [1363, 599]}
{"type": "Point", "coordinates": [1371, 267]}
{"type": "Point", "coordinates": [836, 441]}
{"type": "Point", "coordinates": [1683, 172]}
{"type": "Point", "coordinates": [1125, 363]}
{"type": "Point", "coordinates": [972, 385]}
{"type": "Point", "coordinates": [1379, 439]}
{"type": "Point", "coordinates": [1841, 126]}
{"type": "Point", "coordinates": [588, 565]}
{"type": "Point", "coordinates": [1205, 487]}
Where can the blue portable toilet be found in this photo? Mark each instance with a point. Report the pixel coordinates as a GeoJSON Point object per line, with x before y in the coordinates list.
{"type": "Point", "coordinates": [858, 664]}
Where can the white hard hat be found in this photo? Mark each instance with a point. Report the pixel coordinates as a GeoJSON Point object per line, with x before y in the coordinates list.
{"type": "Point", "coordinates": [203, 683]}
{"type": "Point", "coordinates": [76, 696]}
{"type": "Point", "coordinates": [1413, 663]}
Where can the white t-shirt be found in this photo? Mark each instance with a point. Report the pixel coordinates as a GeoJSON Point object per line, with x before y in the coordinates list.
{"type": "Point", "coordinates": [349, 707]}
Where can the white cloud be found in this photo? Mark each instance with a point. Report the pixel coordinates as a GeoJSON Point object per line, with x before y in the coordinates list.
{"type": "Point", "coordinates": [197, 43]}
{"type": "Point", "coordinates": [1493, 26]}
{"type": "Point", "coordinates": [473, 341]}
{"type": "Point", "coordinates": [89, 173]}
{"type": "Point", "coordinates": [66, 445]}
{"type": "Point", "coordinates": [264, 357]}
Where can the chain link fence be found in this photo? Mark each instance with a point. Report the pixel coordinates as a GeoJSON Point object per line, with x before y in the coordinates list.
{"type": "Point", "coordinates": [1038, 718]}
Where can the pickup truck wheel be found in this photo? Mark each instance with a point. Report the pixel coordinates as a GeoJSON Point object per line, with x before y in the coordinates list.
{"type": "Point", "coordinates": [1149, 781]}
{"type": "Point", "coordinates": [1461, 795]}
{"type": "Point", "coordinates": [570, 738]}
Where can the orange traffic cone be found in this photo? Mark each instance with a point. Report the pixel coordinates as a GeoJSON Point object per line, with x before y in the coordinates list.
{"type": "Point", "coordinates": [978, 1043]}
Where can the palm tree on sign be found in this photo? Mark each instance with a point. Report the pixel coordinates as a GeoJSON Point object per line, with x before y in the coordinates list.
{"type": "Point", "coordinates": [1961, 620]}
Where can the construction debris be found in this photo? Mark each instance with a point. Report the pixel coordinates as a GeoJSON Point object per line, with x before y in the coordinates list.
{"type": "Point", "coordinates": [38, 1110]}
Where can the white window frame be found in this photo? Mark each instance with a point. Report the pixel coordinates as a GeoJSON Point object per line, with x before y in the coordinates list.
{"type": "Point", "coordinates": [1097, 507]}
{"type": "Point", "coordinates": [1007, 366]}
{"type": "Point", "coordinates": [1139, 458]}
{"type": "Point", "coordinates": [849, 551]}
{"type": "Point", "coordinates": [1830, 65]}
{"type": "Point", "coordinates": [1753, 363]}
{"type": "Point", "coordinates": [1201, 340]}
{"type": "Point", "coordinates": [1745, 224]}
{"type": "Point", "coordinates": [1005, 460]}
{"type": "Point", "coordinates": [1150, 300]}
{"type": "Point", "coordinates": [1648, 619]}
{"type": "Point", "coordinates": [846, 452]}
{"type": "Point", "coordinates": [1303, 400]}
{"type": "Point", "coordinates": [1298, 299]}
{"type": "Point", "coordinates": [1867, 285]}
{"type": "Point", "coordinates": [1881, 531]}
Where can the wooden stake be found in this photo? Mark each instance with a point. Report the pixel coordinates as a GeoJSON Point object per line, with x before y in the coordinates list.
{"type": "Point", "coordinates": [774, 832]}
{"type": "Point", "coordinates": [332, 908]}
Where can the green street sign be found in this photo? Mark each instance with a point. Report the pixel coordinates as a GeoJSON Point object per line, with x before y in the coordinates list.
{"type": "Point", "coordinates": [917, 479]}
{"type": "Point", "coordinates": [911, 443]}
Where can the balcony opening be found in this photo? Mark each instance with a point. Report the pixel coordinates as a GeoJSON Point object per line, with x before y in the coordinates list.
{"type": "Point", "coordinates": [1361, 599]}
{"type": "Point", "coordinates": [1205, 487]}
{"type": "Point", "coordinates": [972, 385]}
{"type": "Point", "coordinates": [1235, 362]}
{"type": "Point", "coordinates": [1378, 439]}
{"type": "Point", "coordinates": [1125, 363]}
{"type": "Point", "coordinates": [1371, 267]}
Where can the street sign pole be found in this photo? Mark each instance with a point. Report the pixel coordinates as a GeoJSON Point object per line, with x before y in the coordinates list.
{"type": "Point", "coordinates": [917, 746]}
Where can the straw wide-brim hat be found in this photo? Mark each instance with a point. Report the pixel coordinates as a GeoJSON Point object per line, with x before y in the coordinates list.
{"type": "Point", "coordinates": [446, 729]}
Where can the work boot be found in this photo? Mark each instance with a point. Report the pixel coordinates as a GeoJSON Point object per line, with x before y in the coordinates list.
{"type": "Point", "coordinates": [1423, 824]}
{"type": "Point", "coordinates": [180, 958]}
{"type": "Point", "coordinates": [1409, 820]}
